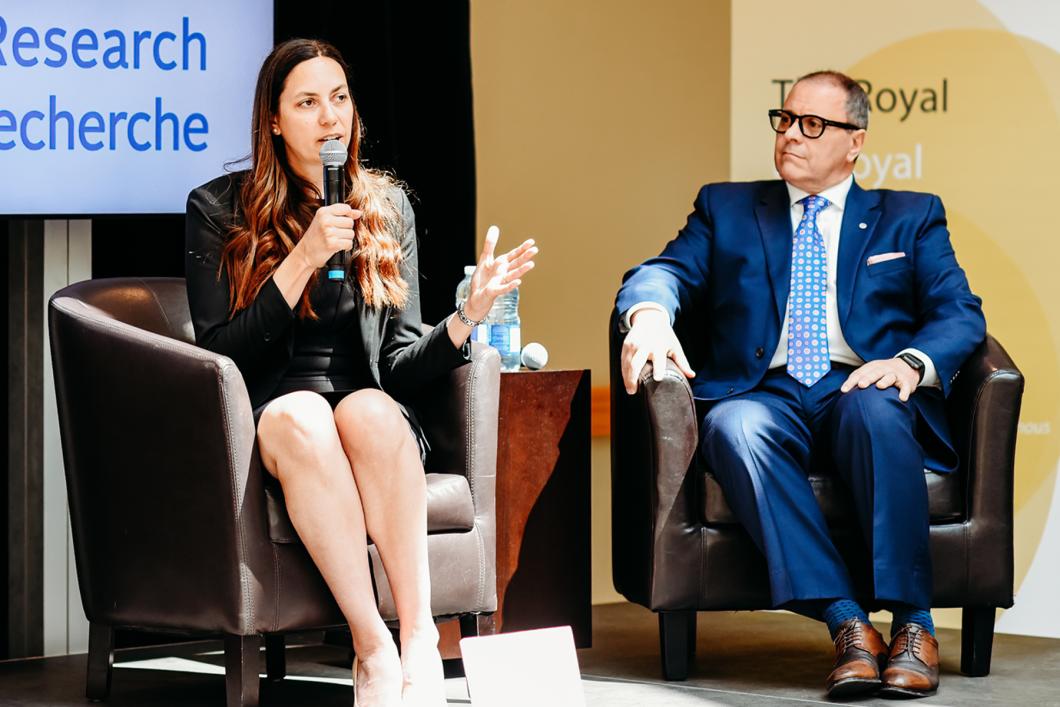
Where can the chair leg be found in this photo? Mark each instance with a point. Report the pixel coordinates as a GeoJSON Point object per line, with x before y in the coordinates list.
{"type": "Point", "coordinates": [242, 661]}
{"type": "Point", "coordinates": [275, 657]}
{"type": "Point", "coordinates": [100, 661]}
{"type": "Point", "coordinates": [471, 625]}
{"type": "Point", "coordinates": [477, 625]}
{"type": "Point", "coordinates": [677, 642]}
{"type": "Point", "coordinates": [977, 640]}
{"type": "Point", "coordinates": [338, 637]}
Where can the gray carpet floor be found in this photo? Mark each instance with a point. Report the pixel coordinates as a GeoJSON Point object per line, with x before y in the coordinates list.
{"type": "Point", "coordinates": [776, 658]}
{"type": "Point", "coordinates": [759, 658]}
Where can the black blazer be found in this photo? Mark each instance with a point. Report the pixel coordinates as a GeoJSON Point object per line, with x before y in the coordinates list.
{"type": "Point", "coordinates": [259, 339]}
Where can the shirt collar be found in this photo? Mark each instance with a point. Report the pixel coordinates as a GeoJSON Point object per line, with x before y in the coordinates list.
{"type": "Point", "coordinates": [836, 194]}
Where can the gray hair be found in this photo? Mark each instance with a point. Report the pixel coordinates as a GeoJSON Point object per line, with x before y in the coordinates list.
{"type": "Point", "coordinates": [857, 100]}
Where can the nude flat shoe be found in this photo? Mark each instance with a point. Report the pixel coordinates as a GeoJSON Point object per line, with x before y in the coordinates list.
{"type": "Point", "coordinates": [423, 683]}
{"type": "Point", "coordinates": [379, 695]}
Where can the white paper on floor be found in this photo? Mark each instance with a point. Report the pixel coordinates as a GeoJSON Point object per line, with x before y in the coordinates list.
{"type": "Point", "coordinates": [523, 669]}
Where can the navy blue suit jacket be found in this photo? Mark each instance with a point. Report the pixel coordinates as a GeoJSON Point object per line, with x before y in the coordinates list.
{"type": "Point", "coordinates": [729, 269]}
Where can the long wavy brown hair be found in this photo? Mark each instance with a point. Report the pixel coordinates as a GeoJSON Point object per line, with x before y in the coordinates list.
{"type": "Point", "coordinates": [278, 205]}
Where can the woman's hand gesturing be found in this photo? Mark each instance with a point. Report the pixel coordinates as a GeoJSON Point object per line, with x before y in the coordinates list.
{"type": "Point", "coordinates": [496, 275]}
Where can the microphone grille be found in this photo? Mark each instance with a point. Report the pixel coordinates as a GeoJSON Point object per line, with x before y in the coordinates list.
{"type": "Point", "coordinates": [534, 356]}
{"type": "Point", "coordinates": [333, 153]}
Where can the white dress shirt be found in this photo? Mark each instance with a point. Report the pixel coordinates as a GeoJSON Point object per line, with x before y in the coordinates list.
{"type": "Point", "coordinates": [829, 223]}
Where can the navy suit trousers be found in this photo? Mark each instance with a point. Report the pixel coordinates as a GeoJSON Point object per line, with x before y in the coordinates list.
{"type": "Point", "coordinates": [760, 446]}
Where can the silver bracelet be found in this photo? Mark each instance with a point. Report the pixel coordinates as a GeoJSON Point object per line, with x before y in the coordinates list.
{"type": "Point", "coordinates": [466, 319]}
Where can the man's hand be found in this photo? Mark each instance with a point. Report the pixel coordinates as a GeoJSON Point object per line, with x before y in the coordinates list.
{"type": "Point", "coordinates": [884, 373]}
{"type": "Point", "coordinates": [650, 338]}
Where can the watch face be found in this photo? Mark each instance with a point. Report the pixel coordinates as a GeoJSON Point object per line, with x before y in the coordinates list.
{"type": "Point", "coordinates": [915, 363]}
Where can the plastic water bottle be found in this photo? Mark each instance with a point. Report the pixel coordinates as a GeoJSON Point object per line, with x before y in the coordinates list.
{"type": "Point", "coordinates": [505, 334]}
{"type": "Point", "coordinates": [481, 333]}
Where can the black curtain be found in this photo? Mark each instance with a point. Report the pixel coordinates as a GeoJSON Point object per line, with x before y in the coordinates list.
{"type": "Point", "coordinates": [5, 528]}
{"type": "Point", "coordinates": [411, 64]}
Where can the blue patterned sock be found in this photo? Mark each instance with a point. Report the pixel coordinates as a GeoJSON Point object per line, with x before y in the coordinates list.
{"type": "Point", "coordinates": [906, 614]}
{"type": "Point", "coordinates": [842, 610]}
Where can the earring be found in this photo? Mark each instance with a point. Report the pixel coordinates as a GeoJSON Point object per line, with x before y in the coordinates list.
{"type": "Point", "coordinates": [275, 131]}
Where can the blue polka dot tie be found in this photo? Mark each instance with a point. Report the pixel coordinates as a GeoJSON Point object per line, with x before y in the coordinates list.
{"type": "Point", "coordinates": [807, 321]}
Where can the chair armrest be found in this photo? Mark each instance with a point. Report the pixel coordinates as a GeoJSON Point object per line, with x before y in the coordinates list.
{"type": "Point", "coordinates": [164, 483]}
{"type": "Point", "coordinates": [654, 436]}
{"type": "Point", "coordinates": [984, 408]}
{"type": "Point", "coordinates": [459, 415]}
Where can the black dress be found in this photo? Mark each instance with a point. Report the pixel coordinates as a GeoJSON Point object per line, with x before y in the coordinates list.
{"type": "Point", "coordinates": [328, 355]}
{"type": "Point", "coordinates": [349, 347]}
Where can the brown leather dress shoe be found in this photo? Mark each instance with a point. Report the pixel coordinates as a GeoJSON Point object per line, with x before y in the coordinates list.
{"type": "Point", "coordinates": [913, 668]}
{"type": "Point", "coordinates": [859, 654]}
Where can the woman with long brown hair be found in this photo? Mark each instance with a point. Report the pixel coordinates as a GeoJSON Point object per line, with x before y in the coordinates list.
{"type": "Point", "coordinates": [325, 363]}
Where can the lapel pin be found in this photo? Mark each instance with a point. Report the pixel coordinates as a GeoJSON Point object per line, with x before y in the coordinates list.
{"type": "Point", "coordinates": [863, 225]}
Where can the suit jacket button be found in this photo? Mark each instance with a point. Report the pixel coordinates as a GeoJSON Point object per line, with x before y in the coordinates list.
{"type": "Point", "coordinates": [760, 352]}
{"type": "Point", "coordinates": [268, 336]}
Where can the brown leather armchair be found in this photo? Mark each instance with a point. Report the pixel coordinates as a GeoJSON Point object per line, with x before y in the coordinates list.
{"type": "Point", "coordinates": [175, 525]}
{"type": "Point", "coordinates": [678, 548]}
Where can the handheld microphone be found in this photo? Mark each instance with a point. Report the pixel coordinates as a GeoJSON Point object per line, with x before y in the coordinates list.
{"type": "Point", "coordinates": [534, 356]}
{"type": "Point", "coordinates": [333, 155]}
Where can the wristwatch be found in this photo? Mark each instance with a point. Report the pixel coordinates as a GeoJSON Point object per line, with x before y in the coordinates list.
{"type": "Point", "coordinates": [915, 363]}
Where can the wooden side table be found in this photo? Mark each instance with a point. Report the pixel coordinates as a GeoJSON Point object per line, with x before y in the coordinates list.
{"type": "Point", "coordinates": [543, 521]}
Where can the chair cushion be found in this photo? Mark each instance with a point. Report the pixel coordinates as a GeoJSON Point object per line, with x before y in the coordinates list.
{"type": "Point", "coordinates": [449, 507]}
{"type": "Point", "coordinates": [945, 503]}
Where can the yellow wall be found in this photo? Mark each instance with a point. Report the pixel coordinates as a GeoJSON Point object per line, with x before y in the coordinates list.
{"type": "Point", "coordinates": [596, 121]}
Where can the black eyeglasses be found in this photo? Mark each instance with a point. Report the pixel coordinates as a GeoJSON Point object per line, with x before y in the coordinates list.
{"type": "Point", "coordinates": [812, 126]}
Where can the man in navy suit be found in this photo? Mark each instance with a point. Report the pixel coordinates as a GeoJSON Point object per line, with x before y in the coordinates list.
{"type": "Point", "coordinates": [834, 320]}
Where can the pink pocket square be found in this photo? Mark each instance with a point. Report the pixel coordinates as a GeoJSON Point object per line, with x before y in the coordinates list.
{"type": "Point", "coordinates": [884, 257]}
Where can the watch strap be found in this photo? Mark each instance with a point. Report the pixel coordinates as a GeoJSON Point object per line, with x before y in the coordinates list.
{"type": "Point", "coordinates": [915, 363]}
